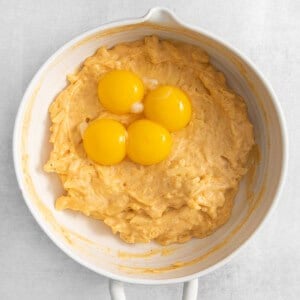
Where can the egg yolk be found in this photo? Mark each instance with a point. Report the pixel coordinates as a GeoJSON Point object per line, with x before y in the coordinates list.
{"type": "Point", "coordinates": [168, 106]}
{"type": "Point", "coordinates": [104, 141]}
{"type": "Point", "coordinates": [148, 142]}
{"type": "Point", "coordinates": [119, 90]}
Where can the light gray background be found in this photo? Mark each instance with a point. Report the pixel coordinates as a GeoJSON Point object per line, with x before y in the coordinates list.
{"type": "Point", "coordinates": [268, 32]}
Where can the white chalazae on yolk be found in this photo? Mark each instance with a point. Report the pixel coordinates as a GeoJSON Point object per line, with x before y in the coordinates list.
{"type": "Point", "coordinates": [119, 91]}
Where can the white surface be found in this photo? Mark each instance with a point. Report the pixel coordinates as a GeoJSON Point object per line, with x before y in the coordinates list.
{"type": "Point", "coordinates": [30, 265]}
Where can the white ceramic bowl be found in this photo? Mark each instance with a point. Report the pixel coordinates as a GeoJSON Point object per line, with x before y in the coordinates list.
{"type": "Point", "coordinates": [90, 242]}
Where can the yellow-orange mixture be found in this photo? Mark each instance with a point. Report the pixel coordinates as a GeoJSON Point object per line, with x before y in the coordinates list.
{"type": "Point", "coordinates": [189, 194]}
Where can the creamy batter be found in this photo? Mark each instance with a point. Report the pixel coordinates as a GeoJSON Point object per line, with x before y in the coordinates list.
{"type": "Point", "coordinates": [191, 193]}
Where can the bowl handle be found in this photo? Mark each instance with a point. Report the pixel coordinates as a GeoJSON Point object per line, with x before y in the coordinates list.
{"type": "Point", "coordinates": [190, 290]}
{"type": "Point", "coordinates": [162, 16]}
{"type": "Point", "coordinates": [116, 290]}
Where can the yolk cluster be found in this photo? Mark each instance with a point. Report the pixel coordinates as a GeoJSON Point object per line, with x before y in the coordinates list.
{"type": "Point", "coordinates": [146, 141]}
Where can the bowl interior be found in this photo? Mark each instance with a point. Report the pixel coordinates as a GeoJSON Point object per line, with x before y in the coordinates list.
{"type": "Point", "coordinates": [91, 242]}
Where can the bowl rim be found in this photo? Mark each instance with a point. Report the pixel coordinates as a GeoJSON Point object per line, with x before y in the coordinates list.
{"type": "Point", "coordinates": [132, 21]}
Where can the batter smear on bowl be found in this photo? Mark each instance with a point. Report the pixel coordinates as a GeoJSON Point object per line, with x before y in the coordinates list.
{"type": "Point", "coordinates": [188, 194]}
